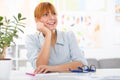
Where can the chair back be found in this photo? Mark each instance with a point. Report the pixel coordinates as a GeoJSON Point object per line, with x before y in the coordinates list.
{"type": "Point", "coordinates": [109, 63]}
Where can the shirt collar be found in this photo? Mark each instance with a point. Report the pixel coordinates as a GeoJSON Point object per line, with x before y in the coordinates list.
{"type": "Point", "coordinates": [60, 39]}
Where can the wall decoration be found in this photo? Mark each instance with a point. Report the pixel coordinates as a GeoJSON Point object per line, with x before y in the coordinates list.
{"type": "Point", "coordinates": [117, 10]}
{"type": "Point", "coordinates": [86, 27]}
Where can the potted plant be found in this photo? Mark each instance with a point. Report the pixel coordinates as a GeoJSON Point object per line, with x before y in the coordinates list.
{"type": "Point", "coordinates": [9, 29]}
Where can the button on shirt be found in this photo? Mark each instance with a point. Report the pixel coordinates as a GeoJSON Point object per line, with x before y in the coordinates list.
{"type": "Point", "coordinates": [66, 48]}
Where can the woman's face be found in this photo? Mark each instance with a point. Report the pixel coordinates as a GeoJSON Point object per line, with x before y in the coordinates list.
{"type": "Point", "coordinates": [49, 20]}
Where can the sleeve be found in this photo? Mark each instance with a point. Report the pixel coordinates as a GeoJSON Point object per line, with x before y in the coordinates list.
{"type": "Point", "coordinates": [32, 49]}
{"type": "Point", "coordinates": [75, 51]}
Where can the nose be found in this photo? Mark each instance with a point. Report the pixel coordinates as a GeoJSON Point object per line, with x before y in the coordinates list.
{"type": "Point", "coordinates": [51, 16]}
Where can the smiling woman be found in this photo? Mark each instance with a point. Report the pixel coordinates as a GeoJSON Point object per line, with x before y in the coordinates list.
{"type": "Point", "coordinates": [51, 50]}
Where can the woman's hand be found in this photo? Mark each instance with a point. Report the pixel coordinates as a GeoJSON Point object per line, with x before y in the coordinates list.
{"type": "Point", "coordinates": [44, 69]}
{"type": "Point", "coordinates": [42, 28]}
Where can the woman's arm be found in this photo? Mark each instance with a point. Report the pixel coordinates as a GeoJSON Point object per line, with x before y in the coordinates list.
{"type": "Point", "coordinates": [44, 53]}
{"type": "Point", "coordinates": [58, 68]}
{"type": "Point", "coordinates": [67, 66]}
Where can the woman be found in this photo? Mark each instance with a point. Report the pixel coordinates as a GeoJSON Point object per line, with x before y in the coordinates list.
{"type": "Point", "coordinates": [50, 50]}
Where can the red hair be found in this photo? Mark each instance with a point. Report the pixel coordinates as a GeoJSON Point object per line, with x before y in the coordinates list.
{"type": "Point", "coordinates": [43, 7]}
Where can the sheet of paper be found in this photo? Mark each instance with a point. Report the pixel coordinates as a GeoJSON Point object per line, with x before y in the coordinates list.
{"type": "Point", "coordinates": [72, 76]}
{"type": "Point", "coordinates": [61, 76]}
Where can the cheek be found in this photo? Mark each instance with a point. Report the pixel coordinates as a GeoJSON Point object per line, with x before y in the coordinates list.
{"type": "Point", "coordinates": [43, 20]}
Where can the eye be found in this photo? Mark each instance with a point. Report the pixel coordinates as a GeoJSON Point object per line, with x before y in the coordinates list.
{"type": "Point", "coordinates": [45, 14]}
{"type": "Point", "coordinates": [54, 13]}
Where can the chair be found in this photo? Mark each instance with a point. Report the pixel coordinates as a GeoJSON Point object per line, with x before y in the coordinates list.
{"type": "Point", "coordinates": [93, 61]}
{"type": "Point", "coordinates": [109, 63]}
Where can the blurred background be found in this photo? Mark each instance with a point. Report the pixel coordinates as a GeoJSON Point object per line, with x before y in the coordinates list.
{"type": "Point", "coordinates": [96, 24]}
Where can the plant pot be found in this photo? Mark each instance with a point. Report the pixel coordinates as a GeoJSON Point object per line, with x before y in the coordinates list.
{"type": "Point", "coordinates": [5, 68]}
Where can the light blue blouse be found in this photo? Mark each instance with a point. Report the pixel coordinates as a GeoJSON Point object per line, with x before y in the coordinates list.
{"type": "Point", "coordinates": [66, 48]}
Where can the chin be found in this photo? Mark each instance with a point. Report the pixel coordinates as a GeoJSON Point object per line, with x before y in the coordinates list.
{"type": "Point", "coordinates": [52, 28]}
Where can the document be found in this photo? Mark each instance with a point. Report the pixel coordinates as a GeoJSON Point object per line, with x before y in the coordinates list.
{"type": "Point", "coordinates": [60, 76]}
{"type": "Point", "coordinates": [72, 76]}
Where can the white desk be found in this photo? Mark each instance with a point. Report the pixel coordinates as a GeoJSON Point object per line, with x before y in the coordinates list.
{"type": "Point", "coordinates": [98, 75]}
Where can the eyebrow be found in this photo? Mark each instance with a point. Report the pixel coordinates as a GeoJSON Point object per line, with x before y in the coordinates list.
{"type": "Point", "coordinates": [48, 12]}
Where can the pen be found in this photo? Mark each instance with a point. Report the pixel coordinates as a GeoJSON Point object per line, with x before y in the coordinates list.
{"type": "Point", "coordinates": [75, 71]}
{"type": "Point", "coordinates": [30, 74]}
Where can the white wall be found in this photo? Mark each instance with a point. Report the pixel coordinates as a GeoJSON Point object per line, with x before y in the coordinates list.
{"type": "Point", "coordinates": [111, 37]}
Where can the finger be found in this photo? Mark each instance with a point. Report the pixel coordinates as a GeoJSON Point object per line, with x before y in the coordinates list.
{"type": "Point", "coordinates": [45, 71]}
{"type": "Point", "coordinates": [36, 70]}
{"type": "Point", "coordinates": [41, 70]}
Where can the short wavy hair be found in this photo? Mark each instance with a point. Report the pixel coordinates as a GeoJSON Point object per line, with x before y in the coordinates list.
{"type": "Point", "coordinates": [42, 8]}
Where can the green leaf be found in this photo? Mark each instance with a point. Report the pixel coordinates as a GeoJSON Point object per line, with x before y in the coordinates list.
{"type": "Point", "coordinates": [1, 23]}
{"type": "Point", "coordinates": [19, 16]}
{"type": "Point", "coordinates": [15, 19]}
{"type": "Point", "coordinates": [6, 20]}
{"type": "Point", "coordinates": [1, 18]}
{"type": "Point", "coordinates": [22, 18]}
{"type": "Point", "coordinates": [20, 30]}
{"type": "Point", "coordinates": [21, 25]}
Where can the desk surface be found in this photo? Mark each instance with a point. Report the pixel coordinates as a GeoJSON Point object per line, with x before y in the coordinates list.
{"type": "Point", "coordinates": [100, 74]}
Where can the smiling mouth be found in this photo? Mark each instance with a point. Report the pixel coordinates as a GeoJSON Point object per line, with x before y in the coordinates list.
{"type": "Point", "coordinates": [52, 23]}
